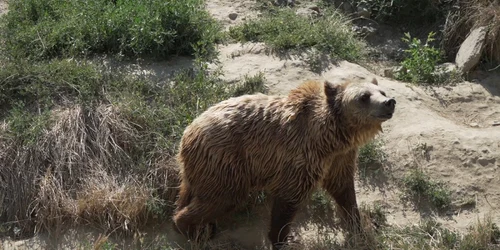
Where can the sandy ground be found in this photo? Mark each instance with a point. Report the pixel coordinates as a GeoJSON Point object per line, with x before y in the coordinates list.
{"type": "Point", "coordinates": [446, 131]}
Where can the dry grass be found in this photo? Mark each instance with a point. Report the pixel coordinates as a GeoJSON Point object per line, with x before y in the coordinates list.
{"type": "Point", "coordinates": [426, 234]}
{"type": "Point", "coordinates": [471, 14]}
{"type": "Point", "coordinates": [83, 169]}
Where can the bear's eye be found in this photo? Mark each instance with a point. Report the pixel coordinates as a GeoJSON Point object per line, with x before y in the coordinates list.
{"type": "Point", "coordinates": [383, 93]}
{"type": "Point", "coordinates": [365, 97]}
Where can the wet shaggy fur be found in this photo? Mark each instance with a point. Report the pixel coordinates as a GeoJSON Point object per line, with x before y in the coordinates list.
{"type": "Point", "coordinates": [285, 145]}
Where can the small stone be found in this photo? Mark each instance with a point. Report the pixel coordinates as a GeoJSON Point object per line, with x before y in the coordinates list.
{"type": "Point", "coordinates": [364, 12]}
{"type": "Point", "coordinates": [485, 161]}
{"type": "Point", "coordinates": [315, 8]}
{"type": "Point", "coordinates": [233, 16]}
{"type": "Point", "coordinates": [474, 125]}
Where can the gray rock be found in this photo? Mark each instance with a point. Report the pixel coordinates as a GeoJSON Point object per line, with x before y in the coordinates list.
{"type": "Point", "coordinates": [364, 12]}
{"type": "Point", "coordinates": [470, 51]}
{"type": "Point", "coordinates": [233, 16]}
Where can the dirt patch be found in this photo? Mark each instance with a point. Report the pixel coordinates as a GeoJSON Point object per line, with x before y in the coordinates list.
{"type": "Point", "coordinates": [239, 11]}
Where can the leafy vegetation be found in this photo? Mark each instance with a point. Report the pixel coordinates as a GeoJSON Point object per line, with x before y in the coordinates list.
{"type": "Point", "coordinates": [284, 30]}
{"type": "Point", "coordinates": [40, 29]}
{"type": "Point", "coordinates": [420, 63]}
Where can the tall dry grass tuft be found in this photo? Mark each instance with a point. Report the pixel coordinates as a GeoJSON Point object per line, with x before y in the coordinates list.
{"type": "Point", "coordinates": [87, 167]}
{"type": "Point", "coordinates": [468, 15]}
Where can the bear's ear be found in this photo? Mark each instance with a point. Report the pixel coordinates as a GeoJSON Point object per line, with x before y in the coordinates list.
{"type": "Point", "coordinates": [374, 81]}
{"type": "Point", "coordinates": [330, 89]}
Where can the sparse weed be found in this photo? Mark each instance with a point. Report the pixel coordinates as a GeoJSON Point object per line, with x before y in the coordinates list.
{"type": "Point", "coordinates": [483, 235]}
{"type": "Point", "coordinates": [375, 213]}
{"type": "Point", "coordinates": [370, 157]}
{"type": "Point", "coordinates": [284, 30]}
{"type": "Point", "coordinates": [44, 29]}
{"type": "Point", "coordinates": [251, 85]}
{"type": "Point", "coordinates": [430, 234]}
{"type": "Point", "coordinates": [371, 153]}
{"type": "Point", "coordinates": [320, 200]}
{"type": "Point", "coordinates": [418, 185]}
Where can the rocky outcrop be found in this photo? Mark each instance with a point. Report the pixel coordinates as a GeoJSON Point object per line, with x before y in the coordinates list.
{"type": "Point", "coordinates": [470, 51]}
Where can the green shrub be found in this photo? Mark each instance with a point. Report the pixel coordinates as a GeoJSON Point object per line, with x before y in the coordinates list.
{"type": "Point", "coordinates": [45, 84]}
{"type": "Point", "coordinates": [42, 29]}
{"type": "Point", "coordinates": [419, 66]}
{"type": "Point", "coordinates": [284, 30]}
{"type": "Point", "coordinates": [418, 184]}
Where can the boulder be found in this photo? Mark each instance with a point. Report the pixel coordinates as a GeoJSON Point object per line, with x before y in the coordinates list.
{"type": "Point", "coordinates": [470, 51]}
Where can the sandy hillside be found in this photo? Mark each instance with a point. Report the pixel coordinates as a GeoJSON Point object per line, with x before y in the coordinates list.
{"type": "Point", "coordinates": [445, 131]}
{"type": "Point", "coordinates": [455, 122]}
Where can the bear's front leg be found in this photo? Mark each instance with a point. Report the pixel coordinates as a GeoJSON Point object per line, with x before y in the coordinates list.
{"type": "Point", "coordinates": [339, 183]}
{"type": "Point", "coordinates": [348, 207]}
{"type": "Point", "coordinates": [283, 213]}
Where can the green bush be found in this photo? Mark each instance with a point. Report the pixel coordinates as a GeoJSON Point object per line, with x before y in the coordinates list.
{"type": "Point", "coordinates": [42, 29]}
{"type": "Point", "coordinates": [283, 29]}
{"type": "Point", "coordinates": [419, 66]}
{"type": "Point", "coordinates": [46, 84]}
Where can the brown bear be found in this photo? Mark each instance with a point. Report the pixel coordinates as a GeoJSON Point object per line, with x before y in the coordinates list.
{"type": "Point", "coordinates": [284, 145]}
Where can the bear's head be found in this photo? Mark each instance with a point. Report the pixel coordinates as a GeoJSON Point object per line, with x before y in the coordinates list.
{"type": "Point", "coordinates": [363, 103]}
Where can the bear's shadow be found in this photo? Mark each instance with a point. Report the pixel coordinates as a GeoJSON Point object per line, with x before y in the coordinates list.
{"type": "Point", "coordinates": [375, 176]}
{"type": "Point", "coordinates": [317, 214]}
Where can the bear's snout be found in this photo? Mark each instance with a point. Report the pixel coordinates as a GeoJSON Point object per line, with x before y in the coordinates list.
{"type": "Point", "coordinates": [390, 103]}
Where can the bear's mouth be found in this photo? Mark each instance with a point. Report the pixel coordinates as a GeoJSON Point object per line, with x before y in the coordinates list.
{"type": "Point", "coordinates": [386, 116]}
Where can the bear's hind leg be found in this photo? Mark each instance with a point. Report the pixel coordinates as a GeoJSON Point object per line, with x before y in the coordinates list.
{"type": "Point", "coordinates": [192, 220]}
{"type": "Point", "coordinates": [283, 213]}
